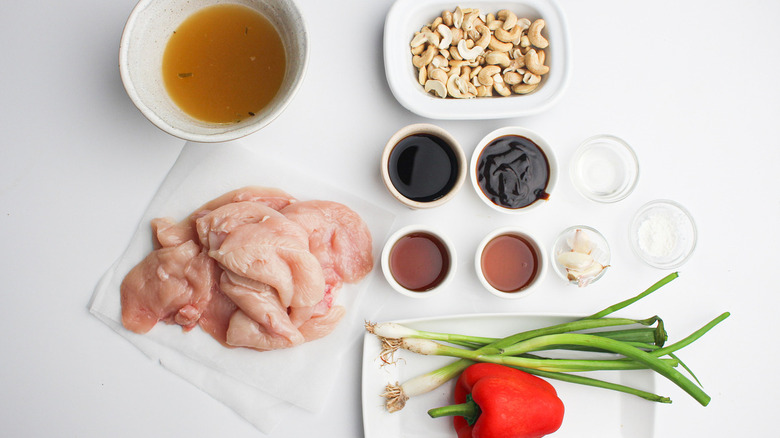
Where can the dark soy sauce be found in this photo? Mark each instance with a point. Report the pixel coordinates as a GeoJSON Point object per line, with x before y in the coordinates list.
{"type": "Point", "coordinates": [423, 167]}
{"type": "Point", "coordinates": [513, 172]}
{"type": "Point", "coordinates": [419, 261]}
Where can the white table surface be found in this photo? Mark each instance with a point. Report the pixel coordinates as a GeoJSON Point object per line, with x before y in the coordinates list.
{"type": "Point", "coordinates": [691, 85]}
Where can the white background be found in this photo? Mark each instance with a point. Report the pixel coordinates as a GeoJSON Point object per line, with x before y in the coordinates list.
{"type": "Point", "coordinates": [691, 85]}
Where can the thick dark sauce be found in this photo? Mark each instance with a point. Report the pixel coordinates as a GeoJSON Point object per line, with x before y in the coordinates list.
{"type": "Point", "coordinates": [423, 167]}
{"type": "Point", "coordinates": [513, 172]}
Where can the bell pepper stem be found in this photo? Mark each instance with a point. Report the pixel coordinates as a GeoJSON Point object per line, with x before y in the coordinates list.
{"type": "Point", "coordinates": [469, 410]}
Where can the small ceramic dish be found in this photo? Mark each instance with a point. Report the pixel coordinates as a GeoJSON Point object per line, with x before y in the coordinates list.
{"type": "Point", "coordinates": [418, 261]}
{"type": "Point", "coordinates": [408, 16]}
{"type": "Point", "coordinates": [604, 169]}
{"type": "Point", "coordinates": [423, 166]}
{"type": "Point", "coordinates": [509, 188]}
{"type": "Point", "coordinates": [663, 234]}
{"type": "Point", "coordinates": [143, 44]}
{"type": "Point", "coordinates": [510, 263]}
{"type": "Point", "coordinates": [590, 242]}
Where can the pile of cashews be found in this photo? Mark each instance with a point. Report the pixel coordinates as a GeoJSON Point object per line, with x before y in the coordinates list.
{"type": "Point", "coordinates": [465, 54]}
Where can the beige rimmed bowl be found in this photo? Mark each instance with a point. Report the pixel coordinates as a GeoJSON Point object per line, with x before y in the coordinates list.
{"type": "Point", "coordinates": [143, 43]}
{"type": "Point", "coordinates": [423, 128]}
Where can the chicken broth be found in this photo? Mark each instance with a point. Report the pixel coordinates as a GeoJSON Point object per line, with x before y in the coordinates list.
{"type": "Point", "coordinates": [224, 63]}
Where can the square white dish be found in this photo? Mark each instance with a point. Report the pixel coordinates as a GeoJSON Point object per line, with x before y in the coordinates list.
{"type": "Point", "coordinates": [407, 17]}
{"type": "Point", "coordinates": [589, 411]}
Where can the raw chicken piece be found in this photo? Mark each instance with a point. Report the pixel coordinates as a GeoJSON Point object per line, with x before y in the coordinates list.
{"type": "Point", "coordinates": [214, 226]}
{"type": "Point", "coordinates": [274, 252]}
{"type": "Point", "coordinates": [216, 317]}
{"type": "Point", "coordinates": [260, 302]}
{"type": "Point", "coordinates": [168, 233]}
{"type": "Point", "coordinates": [320, 326]}
{"type": "Point", "coordinates": [173, 285]}
{"type": "Point", "coordinates": [338, 237]}
{"type": "Point", "coordinates": [272, 197]}
{"type": "Point", "coordinates": [299, 315]}
{"type": "Point", "coordinates": [246, 332]}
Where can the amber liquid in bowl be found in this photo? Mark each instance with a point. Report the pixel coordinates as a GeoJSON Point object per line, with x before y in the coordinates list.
{"type": "Point", "coordinates": [224, 63]}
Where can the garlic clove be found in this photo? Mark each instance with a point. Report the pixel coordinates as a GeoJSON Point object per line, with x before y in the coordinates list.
{"type": "Point", "coordinates": [575, 260]}
{"type": "Point", "coordinates": [585, 276]}
{"type": "Point", "coordinates": [580, 242]}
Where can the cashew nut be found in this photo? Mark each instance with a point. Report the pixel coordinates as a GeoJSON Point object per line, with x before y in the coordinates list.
{"type": "Point", "coordinates": [469, 53]}
{"type": "Point", "coordinates": [508, 17]}
{"type": "Point", "coordinates": [421, 61]}
{"type": "Point", "coordinates": [422, 76]}
{"type": "Point", "coordinates": [508, 36]}
{"type": "Point", "coordinates": [468, 21]}
{"type": "Point", "coordinates": [439, 61]}
{"type": "Point", "coordinates": [531, 79]}
{"type": "Point", "coordinates": [456, 87]}
{"type": "Point", "coordinates": [446, 36]}
{"type": "Point", "coordinates": [436, 22]}
{"type": "Point", "coordinates": [524, 88]}
{"type": "Point", "coordinates": [541, 55]}
{"type": "Point", "coordinates": [533, 65]}
{"type": "Point", "coordinates": [485, 75]}
{"type": "Point", "coordinates": [457, 35]}
{"type": "Point", "coordinates": [524, 41]}
{"type": "Point", "coordinates": [499, 46]}
{"type": "Point", "coordinates": [436, 86]}
{"type": "Point", "coordinates": [512, 78]}
{"type": "Point", "coordinates": [535, 34]}
{"type": "Point", "coordinates": [446, 17]}
{"type": "Point", "coordinates": [419, 49]}
{"type": "Point", "coordinates": [438, 75]}
{"type": "Point", "coordinates": [484, 36]}
{"type": "Point", "coordinates": [484, 91]}
{"type": "Point", "coordinates": [498, 58]}
{"type": "Point", "coordinates": [500, 87]}
{"type": "Point", "coordinates": [457, 17]}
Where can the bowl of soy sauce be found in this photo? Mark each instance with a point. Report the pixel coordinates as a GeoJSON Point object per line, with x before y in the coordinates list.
{"type": "Point", "coordinates": [423, 166]}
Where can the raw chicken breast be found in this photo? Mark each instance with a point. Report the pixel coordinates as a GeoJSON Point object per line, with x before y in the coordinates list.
{"type": "Point", "coordinates": [260, 302]}
{"type": "Point", "coordinates": [216, 318]}
{"type": "Point", "coordinates": [320, 326]}
{"type": "Point", "coordinates": [338, 237]}
{"type": "Point", "coordinates": [246, 332]}
{"type": "Point", "coordinates": [173, 285]}
{"type": "Point", "coordinates": [275, 252]}
{"type": "Point", "coordinates": [214, 226]}
{"type": "Point", "coordinates": [272, 197]}
{"type": "Point", "coordinates": [168, 233]}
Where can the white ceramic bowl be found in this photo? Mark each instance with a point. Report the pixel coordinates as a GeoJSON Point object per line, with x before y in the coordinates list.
{"type": "Point", "coordinates": [423, 128]}
{"type": "Point", "coordinates": [407, 17]}
{"type": "Point", "coordinates": [410, 229]}
{"type": "Point", "coordinates": [541, 258]}
{"type": "Point", "coordinates": [140, 64]}
{"type": "Point", "coordinates": [540, 142]}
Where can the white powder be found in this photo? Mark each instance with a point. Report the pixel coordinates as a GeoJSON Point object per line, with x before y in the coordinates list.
{"type": "Point", "coordinates": [658, 235]}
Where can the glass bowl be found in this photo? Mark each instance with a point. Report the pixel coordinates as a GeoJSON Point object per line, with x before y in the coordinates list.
{"type": "Point", "coordinates": [604, 169]}
{"type": "Point", "coordinates": [599, 251]}
{"type": "Point", "coordinates": [663, 234]}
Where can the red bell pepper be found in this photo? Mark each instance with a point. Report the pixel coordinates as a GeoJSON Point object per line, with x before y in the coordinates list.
{"type": "Point", "coordinates": [496, 401]}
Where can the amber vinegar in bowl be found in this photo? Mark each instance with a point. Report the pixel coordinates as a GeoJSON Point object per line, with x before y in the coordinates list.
{"type": "Point", "coordinates": [510, 263]}
{"type": "Point", "coordinates": [418, 261]}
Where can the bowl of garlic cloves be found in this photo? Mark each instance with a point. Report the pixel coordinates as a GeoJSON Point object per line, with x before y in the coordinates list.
{"type": "Point", "coordinates": [580, 255]}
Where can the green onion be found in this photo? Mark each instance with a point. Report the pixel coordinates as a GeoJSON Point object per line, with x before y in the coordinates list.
{"type": "Point", "coordinates": [635, 348]}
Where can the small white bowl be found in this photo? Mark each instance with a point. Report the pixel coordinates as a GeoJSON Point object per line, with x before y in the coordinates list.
{"type": "Point", "coordinates": [412, 229]}
{"type": "Point", "coordinates": [143, 43]}
{"type": "Point", "coordinates": [604, 169]}
{"type": "Point", "coordinates": [541, 260]}
{"type": "Point", "coordinates": [423, 128]}
{"type": "Point", "coordinates": [543, 146]}
{"type": "Point", "coordinates": [407, 17]}
{"type": "Point", "coordinates": [663, 234]}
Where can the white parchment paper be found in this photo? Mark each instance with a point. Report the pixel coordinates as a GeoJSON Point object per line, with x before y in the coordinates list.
{"type": "Point", "coordinates": [257, 385]}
